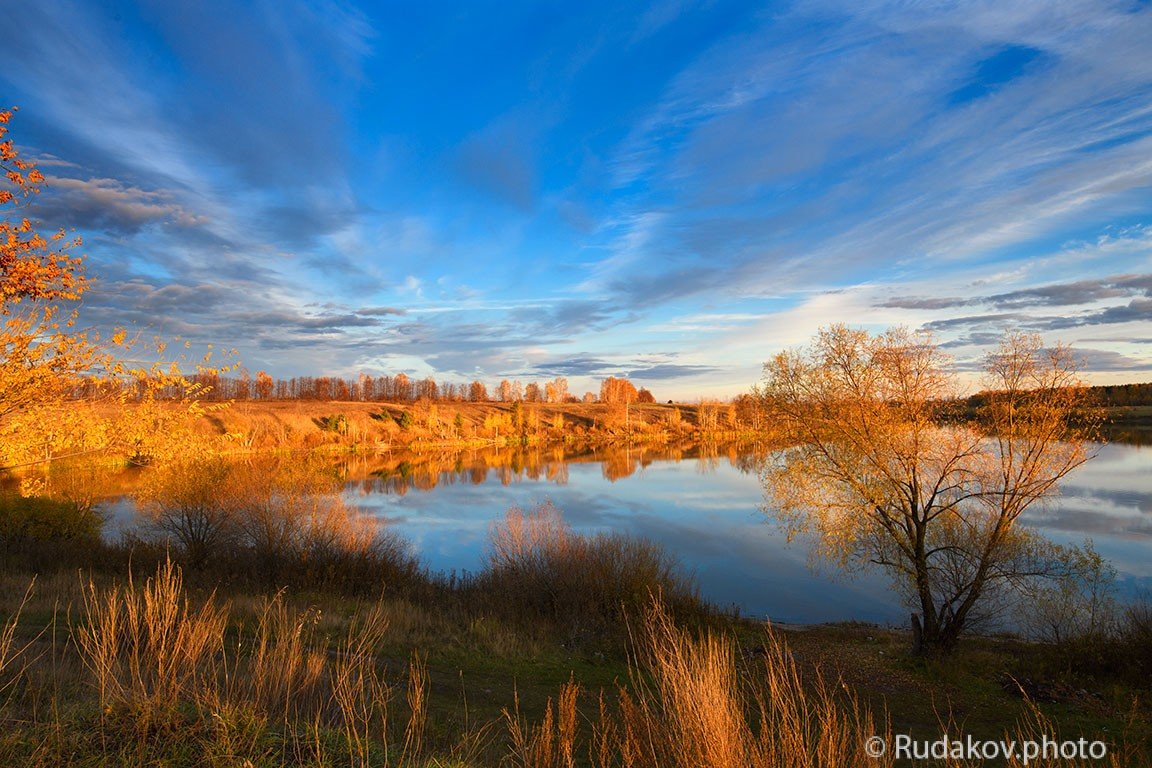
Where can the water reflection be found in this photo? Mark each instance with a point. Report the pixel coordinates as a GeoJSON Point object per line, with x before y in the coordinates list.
{"type": "Point", "coordinates": [403, 471]}
{"type": "Point", "coordinates": [704, 503]}
{"type": "Point", "coordinates": [1109, 500]}
{"type": "Point", "coordinates": [701, 502]}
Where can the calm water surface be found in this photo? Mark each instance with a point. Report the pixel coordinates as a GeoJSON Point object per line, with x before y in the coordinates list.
{"type": "Point", "coordinates": [707, 509]}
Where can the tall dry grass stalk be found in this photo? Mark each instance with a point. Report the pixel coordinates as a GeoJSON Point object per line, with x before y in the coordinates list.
{"type": "Point", "coordinates": [552, 742]}
{"type": "Point", "coordinates": [692, 705]}
{"type": "Point", "coordinates": [13, 656]}
{"type": "Point", "coordinates": [699, 695]}
{"type": "Point", "coordinates": [148, 647]}
{"type": "Point", "coordinates": [359, 690]}
{"type": "Point", "coordinates": [1035, 727]}
{"type": "Point", "coordinates": [414, 732]}
{"type": "Point", "coordinates": [283, 674]}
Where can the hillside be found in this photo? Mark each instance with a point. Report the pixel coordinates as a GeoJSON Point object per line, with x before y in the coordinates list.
{"type": "Point", "coordinates": [273, 424]}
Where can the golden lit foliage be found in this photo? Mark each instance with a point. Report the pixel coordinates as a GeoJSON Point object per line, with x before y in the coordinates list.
{"type": "Point", "coordinates": [39, 349]}
{"type": "Point", "coordinates": [876, 473]}
{"type": "Point", "coordinates": [33, 267]}
{"type": "Point", "coordinates": [47, 362]}
{"type": "Point", "coordinates": [614, 391]}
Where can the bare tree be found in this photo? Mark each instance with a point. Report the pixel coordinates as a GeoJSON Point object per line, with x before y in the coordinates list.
{"type": "Point", "coordinates": [876, 472]}
{"type": "Point", "coordinates": [181, 503]}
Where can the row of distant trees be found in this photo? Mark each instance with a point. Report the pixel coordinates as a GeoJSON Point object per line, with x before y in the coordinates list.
{"type": "Point", "coordinates": [401, 388]}
{"type": "Point", "coordinates": [1124, 394]}
{"type": "Point", "coordinates": [1112, 395]}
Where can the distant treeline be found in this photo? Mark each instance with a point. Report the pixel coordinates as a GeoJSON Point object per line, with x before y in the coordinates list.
{"type": "Point", "coordinates": [400, 388]}
{"type": "Point", "coordinates": [1124, 394]}
{"type": "Point", "coordinates": [1111, 396]}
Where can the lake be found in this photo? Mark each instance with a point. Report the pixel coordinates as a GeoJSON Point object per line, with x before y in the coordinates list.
{"type": "Point", "coordinates": [706, 507]}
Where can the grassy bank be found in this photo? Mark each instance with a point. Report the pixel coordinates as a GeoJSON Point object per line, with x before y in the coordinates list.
{"type": "Point", "coordinates": [263, 425]}
{"type": "Point", "coordinates": [154, 672]}
{"type": "Point", "coordinates": [162, 431]}
{"type": "Point", "coordinates": [386, 426]}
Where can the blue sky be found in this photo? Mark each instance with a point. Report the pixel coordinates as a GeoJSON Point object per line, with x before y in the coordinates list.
{"type": "Point", "coordinates": [672, 191]}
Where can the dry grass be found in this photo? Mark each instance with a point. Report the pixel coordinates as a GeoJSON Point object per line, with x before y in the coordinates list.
{"type": "Point", "coordinates": [147, 647]}
{"type": "Point", "coordinates": [693, 702]}
{"type": "Point", "coordinates": [178, 681]}
{"type": "Point", "coordinates": [285, 669]}
{"type": "Point", "coordinates": [156, 659]}
{"type": "Point", "coordinates": [13, 654]}
{"type": "Point", "coordinates": [695, 705]}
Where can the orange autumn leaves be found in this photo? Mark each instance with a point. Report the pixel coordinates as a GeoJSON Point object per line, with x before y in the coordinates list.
{"type": "Point", "coordinates": [65, 390]}
{"type": "Point", "coordinates": [32, 266]}
{"type": "Point", "coordinates": [38, 347]}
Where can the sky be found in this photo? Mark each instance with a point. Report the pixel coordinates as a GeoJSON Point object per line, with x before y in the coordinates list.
{"type": "Point", "coordinates": [672, 191]}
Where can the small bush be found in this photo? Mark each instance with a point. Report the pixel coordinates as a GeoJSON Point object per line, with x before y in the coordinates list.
{"type": "Point", "coordinates": [539, 568]}
{"type": "Point", "coordinates": [1134, 641]}
{"type": "Point", "coordinates": [337, 424]}
{"type": "Point", "coordinates": [41, 519]}
{"type": "Point", "coordinates": [35, 530]}
{"type": "Point", "coordinates": [185, 504]}
{"type": "Point", "coordinates": [280, 523]}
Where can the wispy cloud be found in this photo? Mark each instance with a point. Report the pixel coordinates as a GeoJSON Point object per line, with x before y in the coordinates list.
{"type": "Point", "coordinates": [333, 187]}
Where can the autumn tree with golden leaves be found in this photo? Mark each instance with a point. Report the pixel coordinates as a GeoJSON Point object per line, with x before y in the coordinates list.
{"type": "Point", "coordinates": [477, 392]}
{"type": "Point", "coordinates": [879, 471]}
{"type": "Point", "coordinates": [556, 391]}
{"type": "Point", "coordinates": [41, 351]}
{"type": "Point", "coordinates": [45, 359]}
{"type": "Point", "coordinates": [617, 391]}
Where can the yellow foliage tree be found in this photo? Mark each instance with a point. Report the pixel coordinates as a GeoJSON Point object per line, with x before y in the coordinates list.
{"type": "Point", "coordinates": [41, 353]}
{"type": "Point", "coordinates": [47, 361]}
{"type": "Point", "coordinates": [878, 469]}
